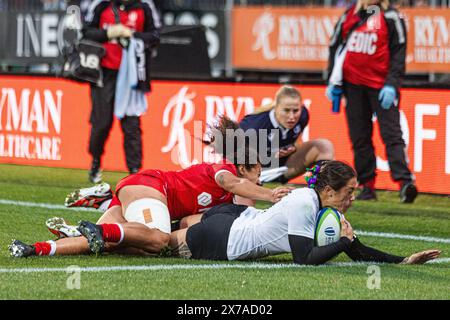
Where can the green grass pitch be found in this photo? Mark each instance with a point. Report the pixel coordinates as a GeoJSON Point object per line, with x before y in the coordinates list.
{"type": "Point", "coordinates": [168, 278]}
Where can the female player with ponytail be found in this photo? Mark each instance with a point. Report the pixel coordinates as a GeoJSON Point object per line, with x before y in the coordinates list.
{"type": "Point", "coordinates": [236, 232]}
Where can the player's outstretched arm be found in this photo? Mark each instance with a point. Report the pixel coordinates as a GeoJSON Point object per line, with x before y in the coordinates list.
{"type": "Point", "coordinates": [304, 251]}
{"type": "Point", "coordinates": [422, 257]}
{"type": "Point", "coordinates": [359, 252]}
{"type": "Point", "coordinates": [247, 189]}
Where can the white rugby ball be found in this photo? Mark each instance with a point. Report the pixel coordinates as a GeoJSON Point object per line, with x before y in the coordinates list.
{"type": "Point", "coordinates": [328, 227]}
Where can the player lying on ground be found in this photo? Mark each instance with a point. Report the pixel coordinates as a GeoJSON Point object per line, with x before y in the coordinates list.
{"type": "Point", "coordinates": [238, 232]}
{"type": "Point", "coordinates": [139, 218]}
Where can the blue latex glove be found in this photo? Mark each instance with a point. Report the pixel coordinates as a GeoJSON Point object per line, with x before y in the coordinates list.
{"type": "Point", "coordinates": [334, 94]}
{"type": "Point", "coordinates": [387, 97]}
{"type": "Point", "coordinates": [329, 92]}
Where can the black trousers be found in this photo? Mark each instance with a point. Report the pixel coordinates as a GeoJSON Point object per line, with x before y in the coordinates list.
{"type": "Point", "coordinates": [362, 102]}
{"type": "Point", "coordinates": [101, 120]}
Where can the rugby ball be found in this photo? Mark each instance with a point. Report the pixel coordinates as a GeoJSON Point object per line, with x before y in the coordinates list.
{"type": "Point", "coordinates": [328, 227]}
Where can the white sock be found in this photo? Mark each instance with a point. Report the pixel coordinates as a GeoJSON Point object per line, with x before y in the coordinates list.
{"type": "Point", "coordinates": [122, 234]}
{"type": "Point", "coordinates": [53, 247]}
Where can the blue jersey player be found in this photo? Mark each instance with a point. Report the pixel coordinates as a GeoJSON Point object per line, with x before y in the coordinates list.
{"type": "Point", "coordinates": [282, 124]}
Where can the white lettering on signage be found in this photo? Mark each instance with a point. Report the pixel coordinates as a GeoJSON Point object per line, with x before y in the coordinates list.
{"type": "Point", "coordinates": [30, 147]}
{"type": "Point", "coordinates": [217, 106]}
{"type": "Point", "coordinates": [382, 164]}
{"type": "Point", "coordinates": [39, 35]}
{"type": "Point", "coordinates": [262, 29]}
{"type": "Point", "coordinates": [305, 30]}
{"type": "Point", "coordinates": [182, 109]}
{"type": "Point", "coordinates": [19, 115]}
{"type": "Point", "coordinates": [431, 39]}
{"type": "Point", "coordinates": [179, 113]}
{"type": "Point", "coordinates": [29, 118]}
{"type": "Point", "coordinates": [420, 133]}
{"type": "Point", "coordinates": [299, 37]}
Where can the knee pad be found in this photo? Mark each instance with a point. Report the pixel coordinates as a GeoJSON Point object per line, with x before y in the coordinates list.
{"type": "Point", "coordinates": [150, 212]}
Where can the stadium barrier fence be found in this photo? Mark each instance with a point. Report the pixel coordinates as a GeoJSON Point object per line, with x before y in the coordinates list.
{"type": "Point", "coordinates": [262, 39]}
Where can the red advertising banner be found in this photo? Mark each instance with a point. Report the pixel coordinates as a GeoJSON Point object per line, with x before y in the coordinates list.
{"type": "Point", "coordinates": [44, 121]}
{"type": "Point", "coordinates": [297, 38]}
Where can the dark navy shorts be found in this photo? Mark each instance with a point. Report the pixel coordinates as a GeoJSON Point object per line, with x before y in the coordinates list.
{"type": "Point", "coordinates": [208, 239]}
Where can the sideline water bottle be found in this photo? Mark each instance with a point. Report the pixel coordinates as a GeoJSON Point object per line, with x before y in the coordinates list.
{"type": "Point", "coordinates": [336, 101]}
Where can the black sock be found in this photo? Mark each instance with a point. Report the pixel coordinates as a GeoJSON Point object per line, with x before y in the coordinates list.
{"type": "Point", "coordinates": [95, 164]}
{"type": "Point", "coordinates": [175, 225]}
{"type": "Point", "coordinates": [282, 179]}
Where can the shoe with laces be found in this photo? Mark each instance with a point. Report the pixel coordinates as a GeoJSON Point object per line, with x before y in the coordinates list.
{"type": "Point", "coordinates": [18, 249]}
{"type": "Point", "coordinates": [408, 192]}
{"type": "Point", "coordinates": [93, 234]}
{"type": "Point", "coordinates": [367, 194]}
{"type": "Point", "coordinates": [91, 197]}
{"type": "Point", "coordinates": [61, 229]}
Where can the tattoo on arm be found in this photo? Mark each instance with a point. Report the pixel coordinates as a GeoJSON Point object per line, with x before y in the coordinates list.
{"type": "Point", "coordinates": [220, 180]}
{"type": "Point", "coordinates": [182, 251]}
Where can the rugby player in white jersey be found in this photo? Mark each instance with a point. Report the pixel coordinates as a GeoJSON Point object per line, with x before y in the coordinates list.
{"type": "Point", "coordinates": [237, 232]}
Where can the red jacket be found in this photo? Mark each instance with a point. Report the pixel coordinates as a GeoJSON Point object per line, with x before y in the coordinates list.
{"type": "Point", "coordinates": [376, 49]}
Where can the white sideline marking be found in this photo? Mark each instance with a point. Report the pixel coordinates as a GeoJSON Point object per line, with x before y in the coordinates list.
{"type": "Point", "coordinates": [358, 232]}
{"type": "Point", "coordinates": [158, 267]}
{"type": "Point", "coordinates": [401, 236]}
{"type": "Point", "coordinates": [43, 205]}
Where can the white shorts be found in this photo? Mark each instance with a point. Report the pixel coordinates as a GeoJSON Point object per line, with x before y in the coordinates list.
{"type": "Point", "coordinates": [150, 212]}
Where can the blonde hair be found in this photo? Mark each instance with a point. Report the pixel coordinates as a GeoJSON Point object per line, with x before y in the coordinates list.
{"type": "Point", "coordinates": [383, 3]}
{"type": "Point", "coordinates": [284, 91]}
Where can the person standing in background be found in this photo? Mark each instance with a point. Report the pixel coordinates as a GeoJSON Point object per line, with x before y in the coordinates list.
{"type": "Point", "coordinates": [136, 20]}
{"type": "Point", "coordinates": [366, 64]}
